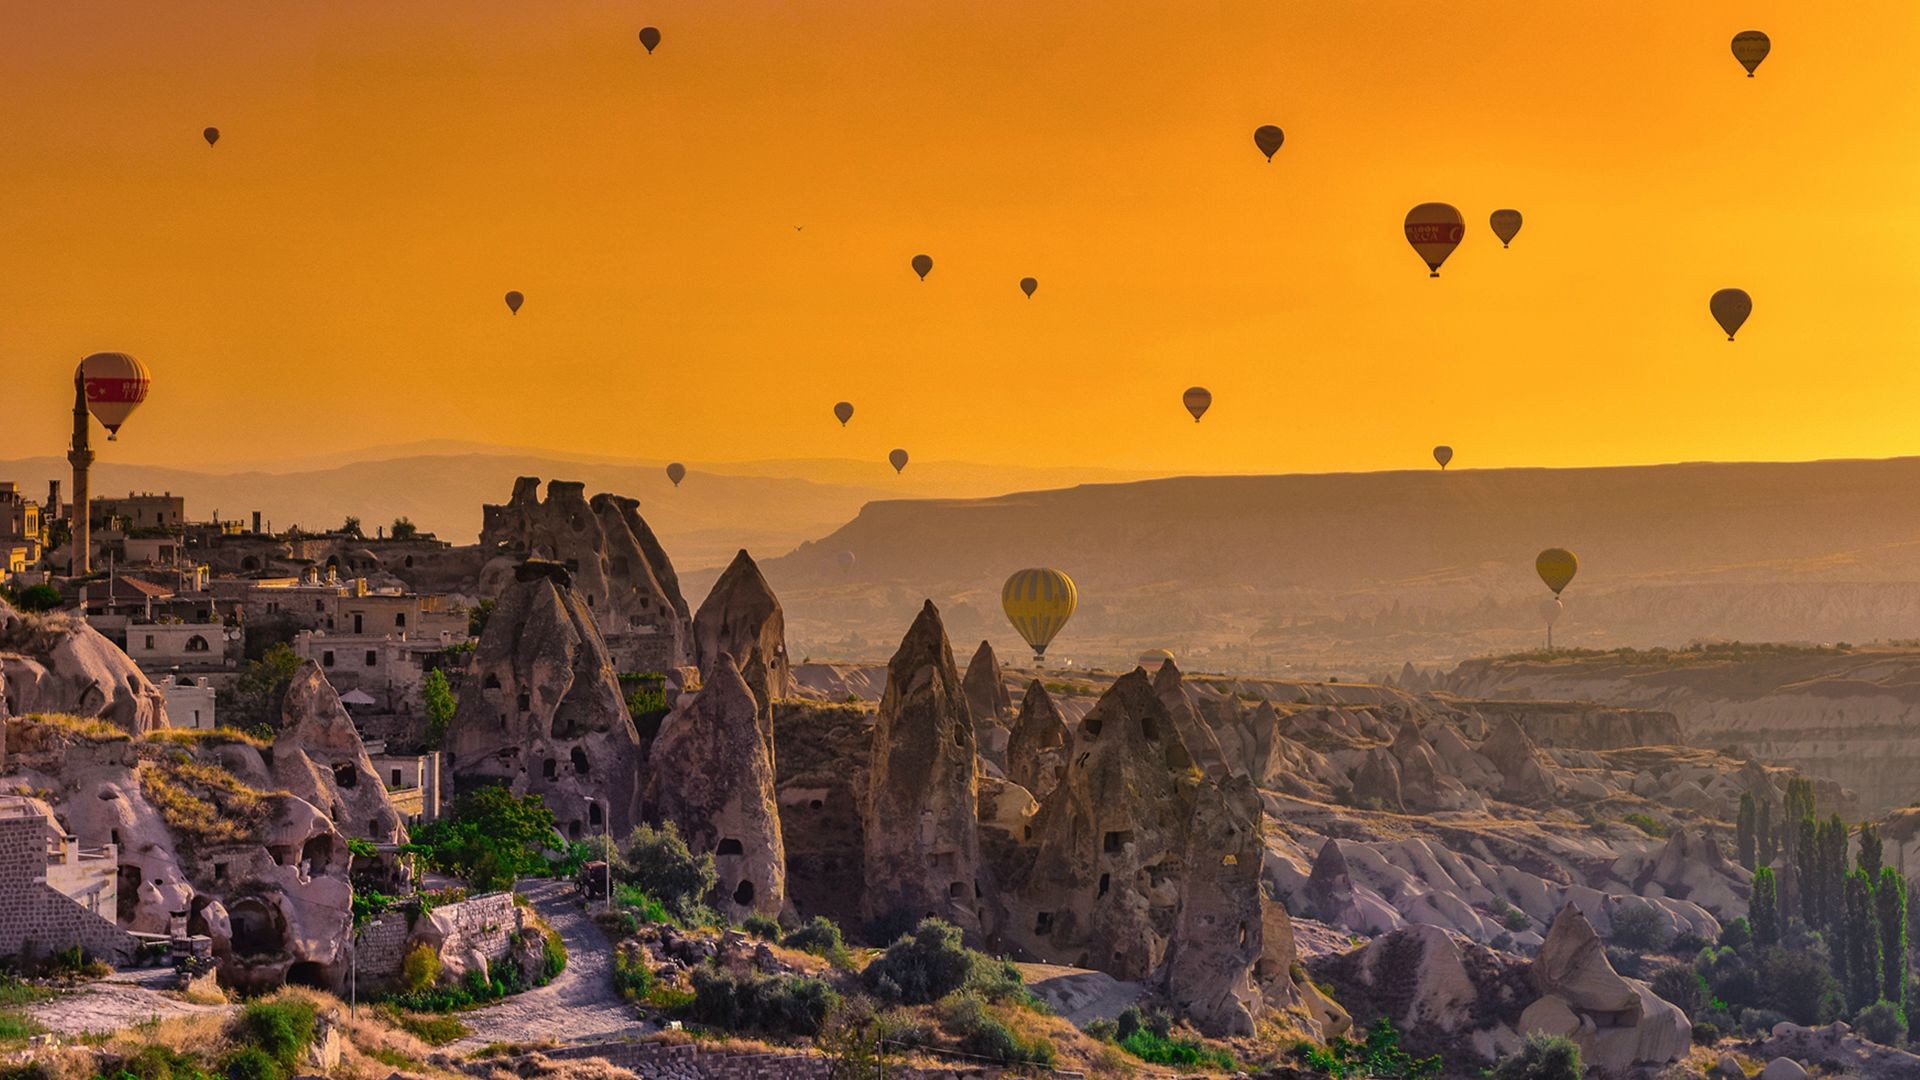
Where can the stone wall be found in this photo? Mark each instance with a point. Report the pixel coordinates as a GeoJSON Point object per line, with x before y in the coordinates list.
{"type": "Point", "coordinates": [485, 924]}
{"type": "Point", "coordinates": [34, 912]}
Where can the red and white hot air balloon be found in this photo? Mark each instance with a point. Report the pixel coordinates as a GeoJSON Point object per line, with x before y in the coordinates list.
{"type": "Point", "coordinates": [115, 385]}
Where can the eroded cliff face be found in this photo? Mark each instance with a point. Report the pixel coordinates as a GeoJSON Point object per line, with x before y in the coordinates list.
{"type": "Point", "coordinates": [57, 663]}
{"type": "Point", "coordinates": [1846, 715]}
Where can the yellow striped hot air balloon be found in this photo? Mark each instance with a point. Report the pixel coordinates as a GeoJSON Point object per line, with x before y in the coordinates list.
{"type": "Point", "coordinates": [1038, 602]}
{"type": "Point", "coordinates": [1556, 567]}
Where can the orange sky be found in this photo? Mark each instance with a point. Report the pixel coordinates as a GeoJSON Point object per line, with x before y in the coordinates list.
{"type": "Point", "coordinates": [330, 275]}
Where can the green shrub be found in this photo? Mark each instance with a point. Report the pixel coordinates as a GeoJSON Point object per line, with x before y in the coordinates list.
{"type": "Point", "coordinates": [1544, 1057]}
{"type": "Point", "coordinates": [1646, 824]}
{"type": "Point", "coordinates": [1706, 1033]}
{"type": "Point", "coordinates": [643, 906]}
{"type": "Point", "coordinates": [432, 1030]}
{"type": "Point", "coordinates": [1883, 1022]}
{"type": "Point", "coordinates": [632, 974]}
{"type": "Point", "coordinates": [932, 962]}
{"type": "Point", "coordinates": [984, 1035]}
{"type": "Point", "coordinates": [659, 863]}
{"type": "Point", "coordinates": [1184, 1053]}
{"type": "Point", "coordinates": [761, 927]}
{"type": "Point", "coordinates": [419, 969]}
{"type": "Point", "coordinates": [1640, 927]}
{"type": "Point", "coordinates": [283, 1029]}
{"type": "Point", "coordinates": [1379, 1056]}
{"type": "Point", "coordinates": [1682, 986]}
{"type": "Point", "coordinates": [553, 955]}
{"type": "Point", "coordinates": [821, 937]}
{"type": "Point", "coordinates": [1737, 934]}
{"type": "Point", "coordinates": [253, 1063]}
{"type": "Point", "coordinates": [17, 1026]}
{"type": "Point", "coordinates": [780, 1004]}
{"type": "Point", "coordinates": [156, 1062]}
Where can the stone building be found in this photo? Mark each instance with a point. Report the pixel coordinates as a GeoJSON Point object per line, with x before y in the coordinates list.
{"type": "Point", "coordinates": [57, 893]}
{"type": "Point", "coordinates": [143, 511]}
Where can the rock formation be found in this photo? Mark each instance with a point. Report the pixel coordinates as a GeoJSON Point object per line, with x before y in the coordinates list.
{"type": "Point", "coordinates": [56, 663]}
{"type": "Point", "coordinates": [619, 570]}
{"type": "Point", "coordinates": [1617, 1023]}
{"type": "Point", "coordinates": [1524, 777]}
{"type": "Point", "coordinates": [986, 690]}
{"type": "Point", "coordinates": [712, 775]}
{"type": "Point", "coordinates": [1037, 746]}
{"type": "Point", "coordinates": [741, 619]}
{"type": "Point", "coordinates": [541, 711]}
{"type": "Point", "coordinates": [921, 839]}
{"type": "Point", "coordinates": [1445, 994]}
{"type": "Point", "coordinates": [1194, 734]}
{"type": "Point", "coordinates": [319, 757]}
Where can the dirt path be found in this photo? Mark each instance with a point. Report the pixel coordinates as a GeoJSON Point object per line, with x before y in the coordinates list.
{"type": "Point", "coordinates": [580, 1005]}
{"type": "Point", "coordinates": [113, 1005]}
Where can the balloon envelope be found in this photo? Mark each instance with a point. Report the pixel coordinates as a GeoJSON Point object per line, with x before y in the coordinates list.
{"type": "Point", "coordinates": [1038, 602]}
{"type": "Point", "coordinates": [514, 300]}
{"type": "Point", "coordinates": [115, 385]}
{"type": "Point", "coordinates": [651, 38]}
{"type": "Point", "coordinates": [1027, 285]}
{"type": "Point", "coordinates": [1551, 610]}
{"type": "Point", "coordinates": [898, 459]}
{"type": "Point", "coordinates": [1434, 229]}
{"type": "Point", "coordinates": [1268, 138]}
{"type": "Point", "coordinates": [846, 560]}
{"type": "Point", "coordinates": [1197, 400]}
{"type": "Point", "coordinates": [212, 135]}
{"type": "Point", "coordinates": [1556, 567]}
{"type": "Point", "coordinates": [1506, 225]}
{"type": "Point", "coordinates": [1443, 454]}
{"type": "Point", "coordinates": [922, 264]}
{"type": "Point", "coordinates": [676, 472]}
{"type": "Point", "coordinates": [1750, 47]}
{"type": "Point", "coordinates": [843, 411]}
{"type": "Point", "coordinates": [1730, 309]}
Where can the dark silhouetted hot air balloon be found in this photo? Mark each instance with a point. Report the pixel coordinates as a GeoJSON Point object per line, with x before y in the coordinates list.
{"type": "Point", "coordinates": [1506, 225]}
{"type": "Point", "coordinates": [514, 300]}
{"type": "Point", "coordinates": [844, 411]}
{"type": "Point", "coordinates": [1027, 285]}
{"type": "Point", "coordinates": [1556, 567]}
{"type": "Point", "coordinates": [1038, 602]}
{"type": "Point", "coordinates": [650, 37]}
{"type": "Point", "coordinates": [1268, 138]}
{"type": "Point", "coordinates": [676, 472]}
{"type": "Point", "coordinates": [1730, 309]}
{"type": "Point", "coordinates": [115, 385]}
{"type": "Point", "coordinates": [212, 135]}
{"type": "Point", "coordinates": [922, 264]}
{"type": "Point", "coordinates": [898, 459]}
{"type": "Point", "coordinates": [1434, 229]}
{"type": "Point", "coordinates": [1197, 400]}
{"type": "Point", "coordinates": [846, 560]}
{"type": "Point", "coordinates": [1443, 454]}
{"type": "Point", "coordinates": [1750, 47]}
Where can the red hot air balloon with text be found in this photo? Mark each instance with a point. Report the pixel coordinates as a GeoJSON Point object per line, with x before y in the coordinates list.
{"type": "Point", "coordinates": [115, 385]}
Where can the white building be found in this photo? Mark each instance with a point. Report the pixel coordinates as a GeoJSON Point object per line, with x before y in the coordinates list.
{"type": "Point", "coordinates": [189, 701]}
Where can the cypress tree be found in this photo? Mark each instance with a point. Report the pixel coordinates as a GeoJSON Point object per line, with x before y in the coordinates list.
{"type": "Point", "coordinates": [1806, 869]}
{"type": "Point", "coordinates": [1890, 902]}
{"type": "Point", "coordinates": [1763, 913]}
{"type": "Point", "coordinates": [1746, 840]}
{"type": "Point", "coordinates": [1799, 804]}
{"type": "Point", "coordinates": [1764, 839]}
{"type": "Point", "coordinates": [1870, 851]}
{"type": "Point", "coordinates": [1833, 872]}
{"type": "Point", "coordinates": [1862, 937]}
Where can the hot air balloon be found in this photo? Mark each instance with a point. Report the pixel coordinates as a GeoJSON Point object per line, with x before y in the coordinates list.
{"type": "Point", "coordinates": [1556, 567]}
{"type": "Point", "coordinates": [1434, 229]}
{"type": "Point", "coordinates": [115, 385]}
{"type": "Point", "coordinates": [846, 560]}
{"type": "Point", "coordinates": [676, 472]}
{"type": "Point", "coordinates": [1730, 309]}
{"type": "Point", "coordinates": [1443, 454]}
{"type": "Point", "coordinates": [1197, 400]}
{"type": "Point", "coordinates": [1551, 610]}
{"type": "Point", "coordinates": [212, 135]}
{"type": "Point", "coordinates": [1268, 138]}
{"type": "Point", "coordinates": [1750, 47]}
{"type": "Point", "coordinates": [922, 264]}
{"type": "Point", "coordinates": [1027, 285]}
{"type": "Point", "coordinates": [898, 458]}
{"type": "Point", "coordinates": [1151, 659]}
{"type": "Point", "coordinates": [514, 300]}
{"type": "Point", "coordinates": [1506, 224]}
{"type": "Point", "coordinates": [1038, 602]}
{"type": "Point", "coordinates": [650, 37]}
{"type": "Point", "coordinates": [843, 410]}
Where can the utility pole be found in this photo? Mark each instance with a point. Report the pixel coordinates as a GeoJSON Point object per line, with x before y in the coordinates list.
{"type": "Point", "coordinates": [80, 456]}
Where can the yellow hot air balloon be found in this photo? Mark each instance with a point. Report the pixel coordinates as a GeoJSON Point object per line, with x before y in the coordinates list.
{"type": "Point", "coordinates": [115, 385]}
{"type": "Point", "coordinates": [898, 459]}
{"type": "Point", "coordinates": [1506, 225]}
{"type": "Point", "coordinates": [1268, 138]}
{"type": "Point", "coordinates": [1443, 454]}
{"type": "Point", "coordinates": [1556, 567]}
{"type": "Point", "coordinates": [1730, 309]}
{"type": "Point", "coordinates": [1434, 229]}
{"type": "Point", "coordinates": [1197, 400]}
{"type": "Point", "coordinates": [1027, 285]}
{"type": "Point", "coordinates": [844, 412]}
{"type": "Point", "coordinates": [922, 265]}
{"type": "Point", "coordinates": [1750, 47]}
{"type": "Point", "coordinates": [514, 300]}
{"type": "Point", "coordinates": [676, 472]}
{"type": "Point", "coordinates": [212, 135]}
{"type": "Point", "coordinates": [649, 37]}
{"type": "Point", "coordinates": [1038, 602]}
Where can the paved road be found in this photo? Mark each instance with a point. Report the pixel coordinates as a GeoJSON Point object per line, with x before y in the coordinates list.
{"type": "Point", "coordinates": [580, 1005]}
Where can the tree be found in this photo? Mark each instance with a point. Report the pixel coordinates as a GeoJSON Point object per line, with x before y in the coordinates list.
{"type": "Point", "coordinates": [1544, 1057]}
{"type": "Point", "coordinates": [437, 701]}
{"type": "Point", "coordinates": [254, 698]}
{"type": "Point", "coordinates": [1747, 841]}
{"type": "Point", "coordinates": [1861, 935]}
{"type": "Point", "coordinates": [404, 529]}
{"type": "Point", "coordinates": [1806, 868]}
{"type": "Point", "coordinates": [491, 837]}
{"type": "Point", "coordinates": [35, 599]}
{"type": "Point", "coordinates": [351, 527]}
{"type": "Point", "coordinates": [661, 865]}
{"type": "Point", "coordinates": [1870, 851]}
{"type": "Point", "coordinates": [1833, 872]}
{"type": "Point", "coordinates": [1764, 910]}
{"type": "Point", "coordinates": [477, 618]}
{"type": "Point", "coordinates": [1764, 838]}
{"type": "Point", "coordinates": [1890, 904]}
{"type": "Point", "coordinates": [1799, 804]}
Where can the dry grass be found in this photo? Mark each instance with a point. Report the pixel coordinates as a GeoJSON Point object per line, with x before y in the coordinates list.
{"type": "Point", "coordinates": [88, 728]}
{"type": "Point", "coordinates": [203, 805]}
{"type": "Point", "coordinates": [194, 738]}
